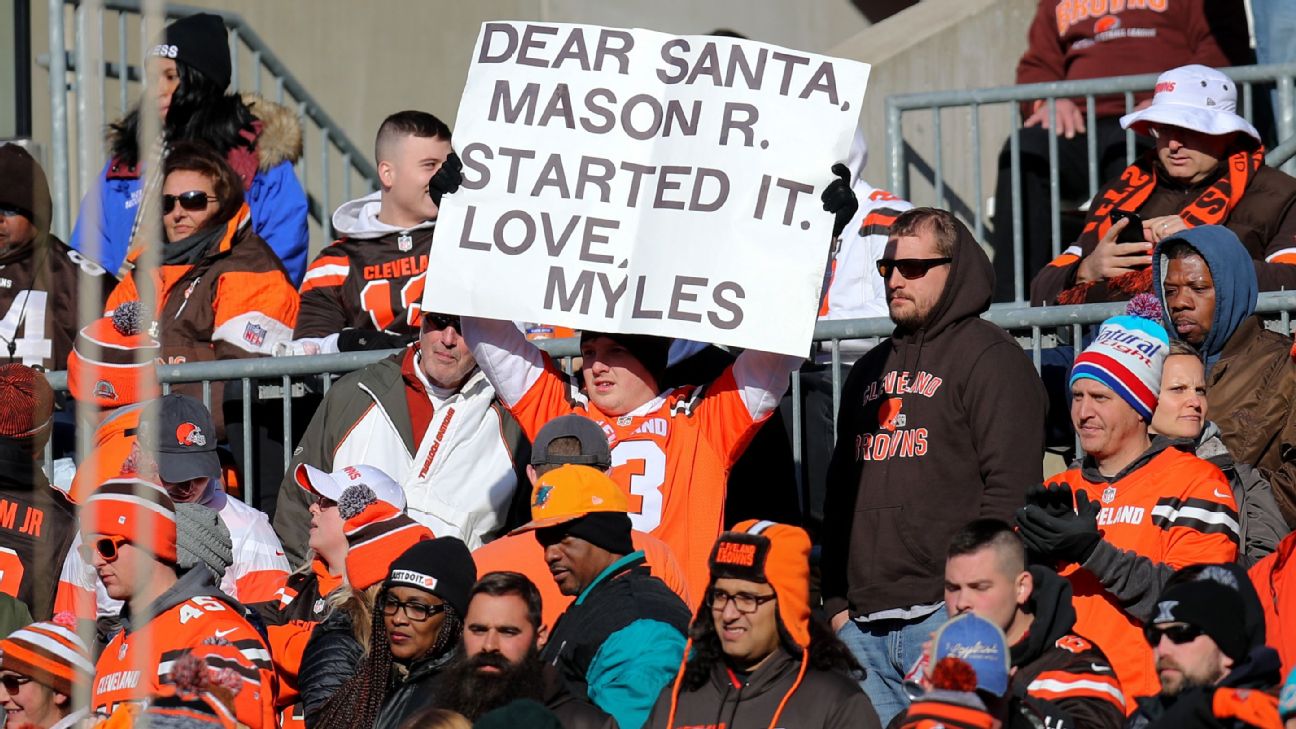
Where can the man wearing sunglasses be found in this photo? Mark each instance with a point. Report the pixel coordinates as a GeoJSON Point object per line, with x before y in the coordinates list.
{"type": "Point", "coordinates": [363, 291]}
{"type": "Point", "coordinates": [940, 423]}
{"type": "Point", "coordinates": [1214, 671]}
{"type": "Point", "coordinates": [128, 534]}
{"type": "Point", "coordinates": [39, 274]}
{"type": "Point", "coordinates": [757, 656]}
{"type": "Point", "coordinates": [428, 418]}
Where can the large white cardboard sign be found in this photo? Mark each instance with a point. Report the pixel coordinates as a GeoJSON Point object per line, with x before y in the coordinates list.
{"type": "Point", "coordinates": [638, 182]}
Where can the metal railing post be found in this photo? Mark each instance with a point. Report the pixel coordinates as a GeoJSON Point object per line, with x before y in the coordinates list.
{"type": "Point", "coordinates": [59, 120]}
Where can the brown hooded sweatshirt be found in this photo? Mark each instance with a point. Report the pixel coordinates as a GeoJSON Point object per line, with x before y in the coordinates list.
{"type": "Point", "coordinates": [938, 426]}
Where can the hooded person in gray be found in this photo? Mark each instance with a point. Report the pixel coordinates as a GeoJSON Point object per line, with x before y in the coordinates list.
{"type": "Point", "coordinates": [1206, 282]}
{"type": "Point", "coordinates": [940, 423]}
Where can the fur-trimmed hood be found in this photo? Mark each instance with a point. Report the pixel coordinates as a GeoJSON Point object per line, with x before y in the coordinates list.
{"type": "Point", "coordinates": [279, 139]}
{"type": "Point", "coordinates": [281, 131]}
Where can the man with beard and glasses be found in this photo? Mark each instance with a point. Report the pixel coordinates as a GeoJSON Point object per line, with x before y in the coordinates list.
{"type": "Point", "coordinates": [500, 657]}
{"type": "Point", "coordinates": [1208, 639]}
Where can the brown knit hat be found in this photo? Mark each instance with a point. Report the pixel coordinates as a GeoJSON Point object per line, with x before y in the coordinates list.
{"type": "Point", "coordinates": [103, 367]}
{"type": "Point", "coordinates": [28, 404]}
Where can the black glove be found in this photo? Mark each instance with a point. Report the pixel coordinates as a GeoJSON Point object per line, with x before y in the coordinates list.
{"type": "Point", "coordinates": [1054, 498]}
{"type": "Point", "coordinates": [447, 179]}
{"type": "Point", "coordinates": [839, 199]}
{"type": "Point", "coordinates": [1069, 538]}
{"type": "Point", "coordinates": [368, 340]}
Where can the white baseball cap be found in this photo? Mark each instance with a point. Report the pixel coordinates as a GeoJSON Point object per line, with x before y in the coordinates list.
{"type": "Point", "coordinates": [331, 485]}
{"type": "Point", "coordinates": [1193, 97]}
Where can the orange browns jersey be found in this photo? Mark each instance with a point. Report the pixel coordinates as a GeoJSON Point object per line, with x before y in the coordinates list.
{"type": "Point", "coordinates": [1174, 510]}
{"type": "Point", "coordinates": [672, 454]}
{"type": "Point", "coordinates": [134, 666]}
{"type": "Point", "coordinates": [522, 553]}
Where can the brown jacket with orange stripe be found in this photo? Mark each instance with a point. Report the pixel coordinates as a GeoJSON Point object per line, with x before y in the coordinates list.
{"type": "Point", "coordinates": [780, 692]}
{"type": "Point", "coordinates": [1054, 665]}
{"type": "Point", "coordinates": [235, 302]}
{"type": "Point", "coordinates": [1264, 219]}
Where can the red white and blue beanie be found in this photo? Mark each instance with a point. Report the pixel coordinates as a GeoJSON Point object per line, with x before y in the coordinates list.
{"type": "Point", "coordinates": [1127, 356]}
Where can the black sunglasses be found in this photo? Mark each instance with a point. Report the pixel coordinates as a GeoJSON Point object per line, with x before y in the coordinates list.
{"type": "Point", "coordinates": [910, 268]}
{"type": "Point", "coordinates": [1178, 634]}
{"type": "Point", "coordinates": [437, 322]}
{"type": "Point", "coordinates": [194, 200]}
{"type": "Point", "coordinates": [12, 682]}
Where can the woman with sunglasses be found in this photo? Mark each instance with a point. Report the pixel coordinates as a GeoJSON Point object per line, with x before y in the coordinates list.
{"type": "Point", "coordinates": [220, 292]}
{"type": "Point", "coordinates": [40, 666]}
{"type": "Point", "coordinates": [188, 77]}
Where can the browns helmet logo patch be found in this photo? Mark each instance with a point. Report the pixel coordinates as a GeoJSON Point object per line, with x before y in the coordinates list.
{"type": "Point", "coordinates": [188, 434]}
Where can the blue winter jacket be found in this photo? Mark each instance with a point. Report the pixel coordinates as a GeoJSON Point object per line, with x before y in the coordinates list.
{"type": "Point", "coordinates": [276, 199]}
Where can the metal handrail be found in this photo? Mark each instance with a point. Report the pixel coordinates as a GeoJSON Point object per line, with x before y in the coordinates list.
{"type": "Point", "coordinates": [61, 61]}
{"type": "Point", "coordinates": [975, 101]}
{"type": "Point", "coordinates": [1011, 318]}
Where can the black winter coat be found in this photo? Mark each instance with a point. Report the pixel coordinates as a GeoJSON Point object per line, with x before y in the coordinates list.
{"type": "Point", "coordinates": [330, 658]}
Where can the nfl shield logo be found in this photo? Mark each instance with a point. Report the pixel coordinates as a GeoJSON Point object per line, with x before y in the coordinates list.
{"type": "Point", "coordinates": [1109, 494]}
{"type": "Point", "coordinates": [254, 335]}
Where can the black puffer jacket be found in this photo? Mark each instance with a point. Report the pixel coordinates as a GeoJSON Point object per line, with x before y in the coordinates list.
{"type": "Point", "coordinates": [416, 691]}
{"type": "Point", "coordinates": [331, 657]}
{"type": "Point", "coordinates": [571, 710]}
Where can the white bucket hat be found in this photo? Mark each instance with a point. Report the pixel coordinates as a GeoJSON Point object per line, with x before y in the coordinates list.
{"type": "Point", "coordinates": [1192, 97]}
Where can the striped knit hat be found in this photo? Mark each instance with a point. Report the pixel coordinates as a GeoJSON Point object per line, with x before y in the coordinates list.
{"type": "Point", "coordinates": [139, 511]}
{"type": "Point", "coordinates": [49, 653]}
{"type": "Point", "coordinates": [102, 368]}
{"type": "Point", "coordinates": [377, 533]}
{"type": "Point", "coordinates": [1127, 356]}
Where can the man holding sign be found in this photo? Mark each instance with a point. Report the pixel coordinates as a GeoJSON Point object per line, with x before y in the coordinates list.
{"type": "Point", "coordinates": [636, 185]}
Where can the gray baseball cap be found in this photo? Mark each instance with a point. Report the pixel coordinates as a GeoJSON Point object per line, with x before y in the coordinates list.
{"type": "Point", "coordinates": [186, 439]}
{"type": "Point", "coordinates": [594, 449]}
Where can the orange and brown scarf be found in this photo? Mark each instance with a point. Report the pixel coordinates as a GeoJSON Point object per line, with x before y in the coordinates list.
{"type": "Point", "coordinates": [1137, 182]}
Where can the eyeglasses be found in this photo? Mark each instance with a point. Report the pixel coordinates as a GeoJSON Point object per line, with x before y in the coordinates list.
{"type": "Point", "coordinates": [744, 602]}
{"type": "Point", "coordinates": [437, 322]}
{"type": "Point", "coordinates": [194, 200]}
{"type": "Point", "coordinates": [108, 547]}
{"type": "Point", "coordinates": [910, 268]}
{"type": "Point", "coordinates": [324, 502]}
{"type": "Point", "coordinates": [416, 611]}
{"type": "Point", "coordinates": [1178, 634]}
{"type": "Point", "coordinates": [12, 682]}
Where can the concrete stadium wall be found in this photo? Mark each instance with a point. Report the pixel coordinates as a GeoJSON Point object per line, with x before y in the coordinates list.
{"type": "Point", "coordinates": [365, 60]}
{"type": "Point", "coordinates": [940, 45]}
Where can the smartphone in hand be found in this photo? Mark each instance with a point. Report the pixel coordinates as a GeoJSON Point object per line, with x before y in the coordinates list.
{"type": "Point", "coordinates": [1133, 230]}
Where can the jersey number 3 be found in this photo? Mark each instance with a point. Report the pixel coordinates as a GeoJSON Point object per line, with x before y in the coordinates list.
{"type": "Point", "coordinates": [645, 464]}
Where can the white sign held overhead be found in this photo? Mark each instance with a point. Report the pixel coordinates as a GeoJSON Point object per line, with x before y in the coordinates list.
{"type": "Point", "coordinates": [638, 182]}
